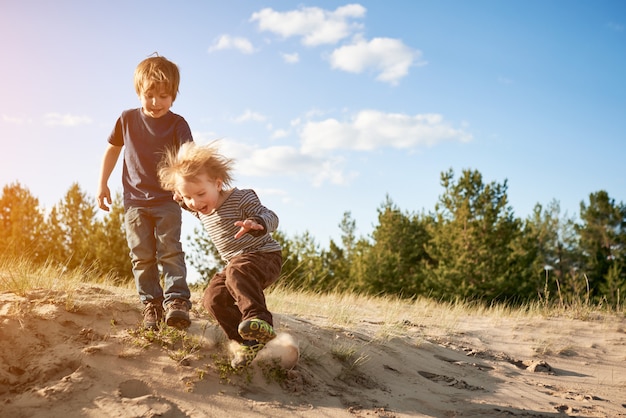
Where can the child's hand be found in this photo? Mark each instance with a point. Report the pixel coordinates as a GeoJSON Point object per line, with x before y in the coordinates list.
{"type": "Point", "coordinates": [104, 198]}
{"type": "Point", "coordinates": [246, 226]}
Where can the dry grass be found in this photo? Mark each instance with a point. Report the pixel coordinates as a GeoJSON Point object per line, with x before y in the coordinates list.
{"type": "Point", "coordinates": [344, 310]}
{"type": "Point", "coordinates": [21, 277]}
{"type": "Point", "coordinates": [393, 314]}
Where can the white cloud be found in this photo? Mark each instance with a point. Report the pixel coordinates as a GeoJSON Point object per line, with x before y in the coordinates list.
{"type": "Point", "coordinates": [316, 26]}
{"type": "Point", "coordinates": [291, 58]}
{"type": "Point", "coordinates": [204, 137]}
{"type": "Point", "coordinates": [15, 120]}
{"type": "Point", "coordinates": [248, 116]}
{"type": "Point", "coordinates": [317, 160]}
{"type": "Point", "coordinates": [389, 57]}
{"type": "Point", "coordinates": [271, 192]}
{"type": "Point", "coordinates": [57, 119]}
{"type": "Point", "coordinates": [295, 122]}
{"type": "Point", "coordinates": [280, 133]}
{"type": "Point", "coordinates": [331, 171]}
{"type": "Point", "coordinates": [617, 27]}
{"type": "Point", "coordinates": [284, 161]}
{"type": "Point", "coordinates": [280, 193]}
{"type": "Point", "coordinates": [370, 129]}
{"type": "Point", "coordinates": [224, 42]}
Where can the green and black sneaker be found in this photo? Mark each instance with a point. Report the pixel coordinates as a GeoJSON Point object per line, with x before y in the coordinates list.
{"type": "Point", "coordinates": [256, 330]}
{"type": "Point", "coordinates": [245, 353]}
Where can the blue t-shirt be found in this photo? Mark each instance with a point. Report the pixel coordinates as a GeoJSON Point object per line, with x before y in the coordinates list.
{"type": "Point", "coordinates": [145, 140]}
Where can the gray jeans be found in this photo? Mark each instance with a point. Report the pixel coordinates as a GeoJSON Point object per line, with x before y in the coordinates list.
{"type": "Point", "coordinates": [153, 236]}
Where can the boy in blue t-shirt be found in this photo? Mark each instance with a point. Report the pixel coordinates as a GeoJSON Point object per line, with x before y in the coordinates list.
{"type": "Point", "coordinates": [152, 218]}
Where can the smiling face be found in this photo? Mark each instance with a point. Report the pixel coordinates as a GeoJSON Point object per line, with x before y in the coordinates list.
{"type": "Point", "coordinates": [202, 194]}
{"type": "Point", "coordinates": [156, 101]}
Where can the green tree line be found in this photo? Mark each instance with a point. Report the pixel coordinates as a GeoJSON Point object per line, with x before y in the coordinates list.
{"type": "Point", "coordinates": [471, 246]}
{"type": "Point", "coordinates": [69, 235]}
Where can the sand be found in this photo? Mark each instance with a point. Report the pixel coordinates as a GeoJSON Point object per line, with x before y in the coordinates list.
{"type": "Point", "coordinates": [80, 355]}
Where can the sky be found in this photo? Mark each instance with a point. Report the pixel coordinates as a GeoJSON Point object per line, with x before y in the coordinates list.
{"type": "Point", "coordinates": [330, 107]}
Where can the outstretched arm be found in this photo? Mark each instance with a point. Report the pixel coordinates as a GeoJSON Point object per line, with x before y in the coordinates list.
{"type": "Point", "coordinates": [247, 226]}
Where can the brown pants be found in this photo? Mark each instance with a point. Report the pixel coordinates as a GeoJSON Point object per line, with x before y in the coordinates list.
{"type": "Point", "coordinates": [236, 293]}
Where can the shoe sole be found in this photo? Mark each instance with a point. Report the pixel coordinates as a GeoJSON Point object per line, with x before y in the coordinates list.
{"type": "Point", "coordinates": [177, 319]}
{"type": "Point", "coordinates": [248, 333]}
{"type": "Point", "coordinates": [246, 361]}
{"type": "Point", "coordinates": [151, 326]}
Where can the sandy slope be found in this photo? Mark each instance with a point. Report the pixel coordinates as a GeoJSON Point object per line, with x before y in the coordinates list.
{"type": "Point", "coordinates": [74, 356]}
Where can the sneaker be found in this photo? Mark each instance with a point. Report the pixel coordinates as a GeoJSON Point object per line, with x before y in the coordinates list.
{"type": "Point", "coordinates": [177, 314]}
{"type": "Point", "coordinates": [152, 315]}
{"type": "Point", "coordinates": [256, 329]}
{"type": "Point", "coordinates": [245, 353]}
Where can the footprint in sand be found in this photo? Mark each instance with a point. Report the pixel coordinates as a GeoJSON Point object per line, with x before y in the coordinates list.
{"type": "Point", "coordinates": [478, 366]}
{"type": "Point", "coordinates": [449, 381]}
{"type": "Point", "coordinates": [137, 400]}
{"type": "Point", "coordinates": [133, 388]}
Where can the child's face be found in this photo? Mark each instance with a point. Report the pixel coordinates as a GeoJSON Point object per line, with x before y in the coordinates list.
{"type": "Point", "coordinates": [201, 195]}
{"type": "Point", "coordinates": [156, 101]}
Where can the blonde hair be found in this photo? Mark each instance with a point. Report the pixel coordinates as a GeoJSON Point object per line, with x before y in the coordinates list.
{"type": "Point", "coordinates": [156, 71]}
{"type": "Point", "coordinates": [192, 160]}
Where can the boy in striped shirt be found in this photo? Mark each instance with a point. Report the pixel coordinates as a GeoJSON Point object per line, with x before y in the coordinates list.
{"type": "Point", "coordinates": [240, 227]}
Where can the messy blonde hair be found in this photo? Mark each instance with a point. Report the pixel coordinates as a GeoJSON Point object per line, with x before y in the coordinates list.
{"type": "Point", "coordinates": [156, 71]}
{"type": "Point", "coordinates": [192, 160]}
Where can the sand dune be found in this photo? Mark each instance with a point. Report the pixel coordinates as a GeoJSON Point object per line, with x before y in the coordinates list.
{"type": "Point", "coordinates": [77, 356]}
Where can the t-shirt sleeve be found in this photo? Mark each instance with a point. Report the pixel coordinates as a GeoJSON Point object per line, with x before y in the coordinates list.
{"type": "Point", "coordinates": [183, 132]}
{"type": "Point", "coordinates": [117, 136]}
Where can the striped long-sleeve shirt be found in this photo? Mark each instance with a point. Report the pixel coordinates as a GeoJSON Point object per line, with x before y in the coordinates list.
{"type": "Point", "coordinates": [240, 205]}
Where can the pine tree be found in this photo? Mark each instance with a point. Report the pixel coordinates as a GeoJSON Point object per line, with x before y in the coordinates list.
{"type": "Point", "coordinates": [338, 259]}
{"type": "Point", "coordinates": [473, 233]}
{"type": "Point", "coordinates": [21, 225]}
{"type": "Point", "coordinates": [73, 228]}
{"type": "Point", "coordinates": [110, 244]}
{"type": "Point", "coordinates": [394, 262]}
{"type": "Point", "coordinates": [603, 241]}
{"type": "Point", "coordinates": [556, 246]}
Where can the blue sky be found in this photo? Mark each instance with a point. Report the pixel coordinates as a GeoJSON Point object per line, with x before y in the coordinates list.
{"type": "Point", "coordinates": [327, 106]}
